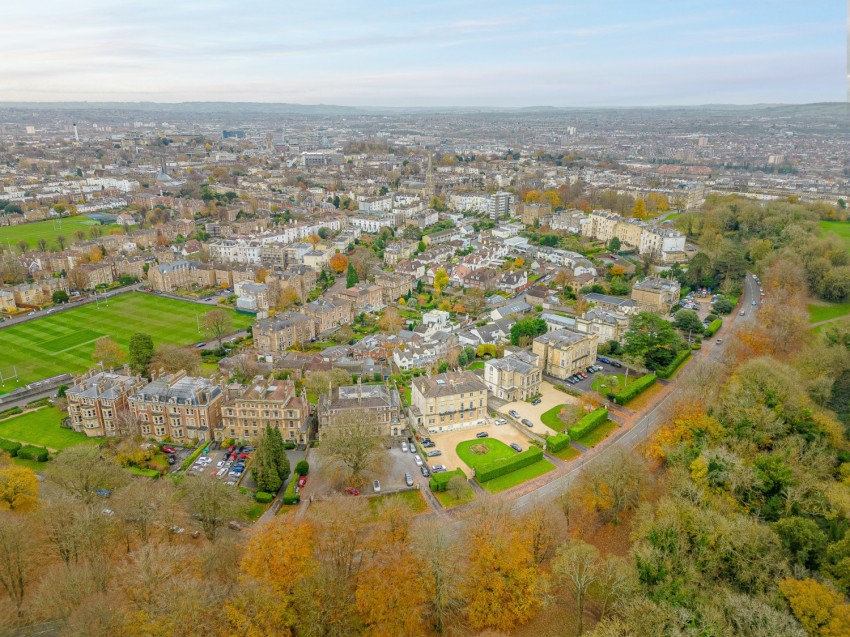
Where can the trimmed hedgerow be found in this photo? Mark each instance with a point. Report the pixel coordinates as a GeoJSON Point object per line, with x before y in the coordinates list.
{"type": "Point", "coordinates": [588, 423]}
{"type": "Point", "coordinates": [439, 481]}
{"type": "Point", "coordinates": [504, 466]}
{"type": "Point", "coordinates": [555, 443]}
{"type": "Point", "coordinates": [667, 372]}
{"type": "Point", "coordinates": [713, 327]}
{"type": "Point", "coordinates": [10, 447]}
{"type": "Point", "coordinates": [263, 497]}
{"type": "Point", "coordinates": [31, 452]}
{"type": "Point", "coordinates": [640, 385]}
{"type": "Point", "coordinates": [289, 495]}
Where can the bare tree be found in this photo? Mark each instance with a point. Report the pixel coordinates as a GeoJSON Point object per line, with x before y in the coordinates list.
{"type": "Point", "coordinates": [576, 567]}
{"type": "Point", "coordinates": [217, 323]}
{"type": "Point", "coordinates": [212, 503]}
{"type": "Point", "coordinates": [77, 280]}
{"type": "Point", "coordinates": [127, 424]}
{"type": "Point", "coordinates": [16, 553]}
{"type": "Point", "coordinates": [458, 486]}
{"type": "Point", "coordinates": [173, 358]}
{"type": "Point", "coordinates": [437, 546]}
{"type": "Point", "coordinates": [353, 439]}
{"type": "Point", "coordinates": [615, 483]}
{"type": "Point", "coordinates": [81, 471]}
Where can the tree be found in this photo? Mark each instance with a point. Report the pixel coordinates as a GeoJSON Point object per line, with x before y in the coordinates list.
{"type": "Point", "coordinates": [390, 594]}
{"type": "Point", "coordinates": [803, 540]}
{"type": "Point", "coordinates": [653, 340]}
{"type": "Point", "coordinates": [441, 280]}
{"type": "Point", "coordinates": [339, 263]}
{"type": "Point", "coordinates": [577, 569]}
{"type": "Point", "coordinates": [287, 297]}
{"type": "Point", "coordinates": [61, 241]}
{"type": "Point", "coordinates": [77, 280]}
{"type": "Point", "coordinates": [688, 321]}
{"type": "Point", "coordinates": [173, 358]}
{"type": "Point", "coordinates": [722, 306]}
{"type": "Point", "coordinates": [614, 244]}
{"type": "Point", "coordinates": [141, 353]}
{"type": "Point", "coordinates": [18, 488]}
{"type": "Point", "coordinates": [524, 331]}
{"type": "Point", "coordinates": [458, 487]}
{"type": "Point", "coordinates": [390, 321]}
{"type": "Point", "coordinates": [81, 471]}
{"type": "Point", "coordinates": [343, 335]}
{"type": "Point", "coordinates": [212, 503]}
{"type": "Point", "coordinates": [614, 485]}
{"type": "Point", "coordinates": [107, 353]}
{"type": "Point", "coordinates": [439, 551]}
{"type": "Point", "coordinates": [270, 464]}
{"type": "Point", "coordinates": [354, 440]}
{"type": "Point", "coordinates": [16, 556]}
{"type": "Point", "coordinates": [217, 323]}
{"type": "Point", "coordinates": [23, 245]}
{"type": "Point", "coordinates": [821, 611]}
{"type": "Point", "coordinates": [639, 209]}
{"type": "Point", "coordinates": [351, 277]}
{"type": "Point", "coordinates": [59, 296]}
{"type": "Point", "coordinates": [42, 244]}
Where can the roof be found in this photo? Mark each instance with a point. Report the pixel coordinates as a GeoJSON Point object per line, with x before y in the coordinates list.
{"type": "Point", "coordinates": [522, 362]}
{"type": "Point", "coordinates": [184, 390]}
{"type": "Point", "coordinates": [561, 338]}
{"type": "Point", "coordinates": [610, 300]}
{"type": "Point", "coordinates": [449, 384]}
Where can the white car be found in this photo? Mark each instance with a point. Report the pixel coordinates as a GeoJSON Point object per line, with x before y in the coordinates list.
{"type": "Point", "coordinates": [418, 460]}
{"type": "Point", "coordinates": [220, 463]}
{"type": "Point", "coordinates": [404, 446]}
{"type": "Point", "coordinates": [221, 472]}
{"type": "Point", "coordinates": [203, 460]}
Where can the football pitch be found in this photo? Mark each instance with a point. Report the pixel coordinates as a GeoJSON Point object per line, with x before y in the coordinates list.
{"type": "Point", "coordinates": [49, 230]}
{"type": "Point", "coordinates": [64, 342]}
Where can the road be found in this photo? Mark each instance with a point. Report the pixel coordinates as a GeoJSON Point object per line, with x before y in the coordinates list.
{"type": "Point", "coordinates": [637, 433]}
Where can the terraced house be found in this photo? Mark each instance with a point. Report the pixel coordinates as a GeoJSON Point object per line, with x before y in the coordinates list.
{"type": "Point", "coordinates": [247, 410]}
{"type": "Point", "coordinates": [95, 400]}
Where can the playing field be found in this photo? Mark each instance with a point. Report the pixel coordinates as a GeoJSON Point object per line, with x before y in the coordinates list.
{"type": "Point", "coordinates": [64, 342]}
{"type": "Point", "coordinates": [49, 230]}
{"type": "Point", "coordinates": [840, 228]}
{"type": "Point", "coordinates": [42, 428]}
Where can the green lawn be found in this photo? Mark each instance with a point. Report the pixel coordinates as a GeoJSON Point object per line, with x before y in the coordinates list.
{"type": "Point", "coordinates": [36, 466]}
{"type": "Point", "coordinates": [551, 420]}
{"type": "Point", "coordinates": [42, 428]}
{"type": "Point", "coordinates": [840, 228]}
{"type": "Point", "coordinates": [475, 365]}
{"type": "Point", "coordinates": [498, 449]}
{"type": "Point", "coordinates": [596, 436]}
{"type": "Point", "coordinates": [621, 383]}
{"type": "Point", "coordinates": [413, 499]}
{"type": "Point", "coordinates": [567, 453]}
{"type": "Point", "coordinates": [818, 313]}
{"type": "Point", "coordinates": [254, 511]}
{"type": "Point", "coordinates": [448, 500]}
{"type": "Point", "coordinates": [49, 230]}
{"type": "Point", "coordinates": [64, 342]}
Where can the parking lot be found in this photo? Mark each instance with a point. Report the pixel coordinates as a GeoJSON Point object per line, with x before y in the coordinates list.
{"type": "Point", "coordinates": [218, 466]}
{"type": "Point", "coordinates": [448, 441]}
{"type": "Point", "coordinates": [607, 370]}
{"type": "Point", "coordinates": [550, 397]}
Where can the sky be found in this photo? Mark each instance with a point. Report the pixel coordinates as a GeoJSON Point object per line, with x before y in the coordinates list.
{"type": "Point", "coordinates": [440, 53]}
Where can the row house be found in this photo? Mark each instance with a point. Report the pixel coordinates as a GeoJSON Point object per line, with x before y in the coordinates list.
{"type": "Point", "coordinates": [329, 314]}
{"type": "Point", "coordinates": [248, 410]}
{"type": "Point", "coordinates": [393, 286]}
{"type": "Point", "coordinates": [96, 400]}
{"type": "Point", "coordinates": [282, 331]}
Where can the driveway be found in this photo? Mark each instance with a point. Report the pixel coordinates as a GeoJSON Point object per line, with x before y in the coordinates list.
{"type": "Point", "coordinates": [448, 441]}
{"type": "Point", "coordinates": [328, 478]}
{"type": "Point", "coordinates": [551, 397]}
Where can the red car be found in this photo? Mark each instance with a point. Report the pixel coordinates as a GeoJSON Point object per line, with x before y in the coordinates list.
{"type": "Point", "coordinates": [302, 481]}
{"type": "Point", "coordinates": [352, 491]}
{"type": "Point", "coordinates": [168, 449]}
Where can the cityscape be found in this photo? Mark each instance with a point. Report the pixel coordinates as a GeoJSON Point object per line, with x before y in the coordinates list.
{"type": "Point", "coordinates": [447, 366]}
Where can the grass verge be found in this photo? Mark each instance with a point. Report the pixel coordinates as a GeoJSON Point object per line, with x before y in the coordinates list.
{"type": "Point", "coordinates": [596, 436]}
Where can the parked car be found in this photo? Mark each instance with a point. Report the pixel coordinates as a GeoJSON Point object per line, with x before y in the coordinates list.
{"type": "Point", "coordinates": [501, 421]}
{"type": "Point", "coordinates": [352, 491]}
{"type": "Point", "coordinates": [418, 460]}
{"type": "Point", "coordinates": [404, 446]}
{"type": "Point", "coordinates": [482, 434]}
{"type": "Point", "coordinates": [201, 345]}
{"type": "Point", "coordinates": [302, 481]}
{"type": "Point", "coordinates": [376, 486]}
{"type": "Point", "coordinates": [425, 472]}
{"type": "Point", "coordinates": [754, 302]}
{"type": "Point", "coordinates": [424, 440]}
{"type": "Point", "coordinates": [616, 364]}
{"type": "Point", "coordinates": [516, 447]}
{"type": "Point", "coordinates": [172, 460]}
{"type": "Point", "coordinates": [429, 444]}
{"type": "Point", "coordinates": [527, 422]}
{"type": "Point", "coordinates": [514, 413]}
{"type": "Point", "coordinates": [742, 313]}
{"type": "Point", "coordinates": [536, 401]}
{"type": "Point", "coordinates": [602, 359]}
{"type": "Point", "coordinates": [438, 468]}
{"type": "Point", "coordinates": [412, 446]}
{"type": "Point", "coordinates": [203, 460]}
{"type": "Point", "coordinates": [434, 452]}
{"type": "Point", "coordinates": [168, 449]}
{"type": "Point", "coordinates": [408, 479]}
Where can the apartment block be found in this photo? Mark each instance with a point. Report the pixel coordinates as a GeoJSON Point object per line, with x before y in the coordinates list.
{"type": "Point", "coordinates": [655, 294]}
{"type": "Point", "coordinates": [247, 410]}
{"type": "Point", "coordinates": [515, 377]}
{"type": "Point", "coordinates": [342, 405]}
{"type": "Point", "coordinates": [95, 399]}
{"type": "Point", "coordinates": [454, 400]}
{"type": "Point", "coordinates": [282, 331]}
{"type": "Point", "coordinates": [564, 352]}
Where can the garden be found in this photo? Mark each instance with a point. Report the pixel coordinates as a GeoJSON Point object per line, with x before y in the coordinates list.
{"type": "Point", "coordinates": [498, 467]}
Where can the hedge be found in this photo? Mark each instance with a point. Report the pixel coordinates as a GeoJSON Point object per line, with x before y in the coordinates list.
{"type": "Point", "coordinates": [193, 456]}
{"type": "Point", "coordinates": [439, 481]}
{"type": "Point", "coordinates": [667, 372]}
{"type": "Point", "coordinates": [12, 411]}
{"type": "Point", "coordinates": [640, 385]}
{"type": "Point", "coordinates": [302, 468]}
{"type": "Point", "coordinates": [555, 443]}
{"type": "Point", "coordinates": [146, 473]}
{"type": "Point", "coordinates": [289, 495]}
{"type": "Point", "coordinates": [31, 452]}
{"type": "Point", "coordinates": [504, 466]}
{"type": "Point", "coordinates": [289, 445]}
{"type": "Point", "coordinates": [10, 447]}
{"type": "Point", "coordinates": [588, 423]}
{"type": "Point", "coordinates": [712, 328]}
{"type": "Point", "coordinates": [263, 497]}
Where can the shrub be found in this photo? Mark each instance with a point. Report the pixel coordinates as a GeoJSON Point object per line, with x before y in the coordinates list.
{"type": "Point", "coordinates": [555, 443]}
{"type": "Point", "coordinates": [141, 471]}
{"type": "Point", "coordinates": [10, 447]}
{"type": "Point", "coordinates": [289, 495]}
{"type": "Point", "coordinates": [289, 445]}
{"type": "Point", "coordinates": [31, 452]}
{"type": "Point", "coordinates": [302, 468]}
{"type": "Point", "coordinates": [640, 385]}
{"type": "Point", "coordinates": [504, 466]}
{"type": "Point", "coordinates": [439, 481]}
{"type": "Point", "coordinates": [10, 412]}
{"type": "Point", "coordinates": [263, 497]}
{"type": "Point", "coordinates": [712, 328]}
{"type": "Point", "coordinates": [588, 423]}
{"type": "Point", "coordinates": [192, 457]}
{"type": "Point", "coordinates": [667, 372]}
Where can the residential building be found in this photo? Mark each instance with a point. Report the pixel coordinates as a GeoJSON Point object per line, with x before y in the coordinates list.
{"type": "Point", "coordinates": [345, 404]}
{"type": "Point", "coordinates": [514, 377]}
{"type": "Point", "coordinates": [564, 352]}
{"type": "Point", "coordinates": [393, 286]}
{"type": "Point", "coordinates": [179, 407]}
{"type": "Point", "coordinates": [655, 294]}
{"type": "Point", "coordinates": [96, 398]}
{"type": "Point", "coordinates": [247, 411]}
{"type": "Point", "coordinates": [282, 331]}
{"type": "Point", "coordinates": [367, 298]}
{"type": "Point", "coordinates": [329, 314]}
{"type": "Point", "coordinates": [500, 205]}
{"type": "Point", "coordinates": [454, 400]}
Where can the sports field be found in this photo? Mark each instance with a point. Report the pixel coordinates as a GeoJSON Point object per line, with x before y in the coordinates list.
{"type": "Point", "coordinates": [64, 342]}
{"type": "Point", "coordinates": [840, 228]}
{"type": "Point", "coordinates": [49, 230]}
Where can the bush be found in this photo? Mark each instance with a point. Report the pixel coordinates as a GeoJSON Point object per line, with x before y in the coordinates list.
{"type": "Point", "coordinates": [667, 372]}
{"type": "Point", "coordinates": [640, 385]}
{"type": "Point", "coordinates": [289, 495]}
{"type": "Point", "coordinates": [10, 412]}
{"type": "Point", "coordinates": [723, 306]}
{"type": "Point", "coordinates": [555, 443]}
{"type": "Point", "coordinates": [263, 497]}
{"type": "Point", "coordinates": [712, 328]}
{"type": "Point", "coordinates": [192, 457]}
{"type": "Point", "coordinates": [588, 423]}
{"type": "Point", "coordinates": [289, 445]}
{"type": "Point", "coordinates": [10, 447]}
{"type": "Point", "coordinates": [504, 466]}
{"type": "Point", "coordinates": [439, 481]}
{"type": "Point", "coordinates": [31, 452]}
{"type": "Point", "coordinates": [302, 468]}
{"type": "Point", "coordinates": [146, 473]}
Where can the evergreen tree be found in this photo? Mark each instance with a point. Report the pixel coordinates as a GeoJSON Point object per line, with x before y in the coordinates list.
{"type": "Point", "coordinates": [351, 278]}
{"type": "Point", "coordinates": [141, 353]}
